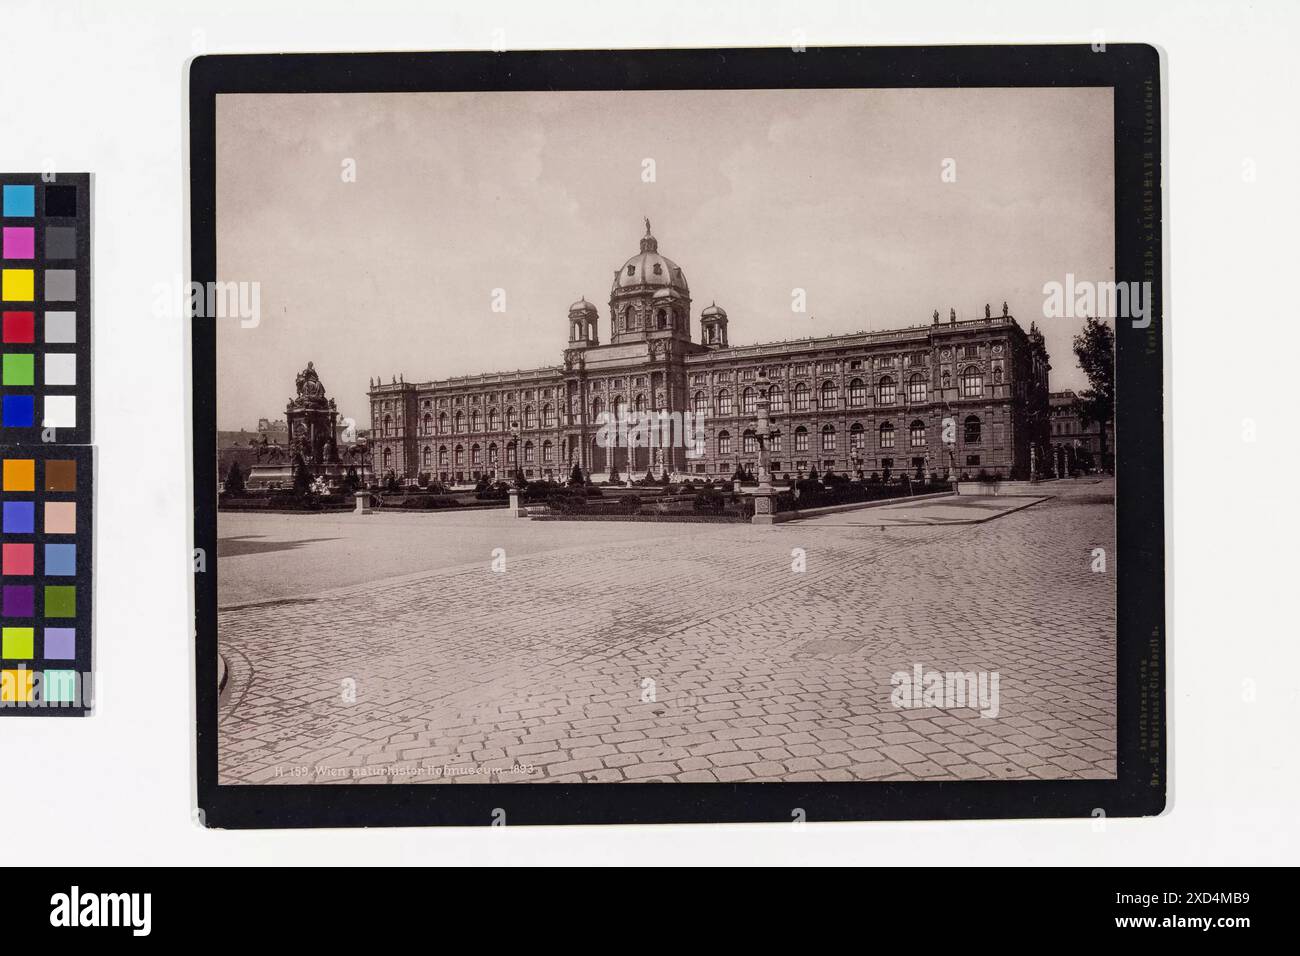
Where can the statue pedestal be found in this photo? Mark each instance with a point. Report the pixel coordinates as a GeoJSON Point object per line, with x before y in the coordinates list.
{"type": "Point", "coordinates": [764, 505]}
{"type": "Point", "coordinates": [363, 504]}
{"type": "Point", "coordinates": [515, 510]}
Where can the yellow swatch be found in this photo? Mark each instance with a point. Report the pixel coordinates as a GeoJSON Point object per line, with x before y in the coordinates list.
{"type": "Point", "coordinates": [19, 285]}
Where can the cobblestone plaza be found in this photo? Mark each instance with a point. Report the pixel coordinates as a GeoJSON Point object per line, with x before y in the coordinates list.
{"type": "Point", "coordinates": [582, 651]}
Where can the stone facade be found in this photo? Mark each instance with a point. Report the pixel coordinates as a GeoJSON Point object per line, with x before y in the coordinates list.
{"type": "Point", "coordinates": [867, 401]}
{"type": "Point", "coordinates": [1076, 444]}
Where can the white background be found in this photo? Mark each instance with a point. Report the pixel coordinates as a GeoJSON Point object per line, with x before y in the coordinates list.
{"type": "Point", "coordinates": [102, 87]}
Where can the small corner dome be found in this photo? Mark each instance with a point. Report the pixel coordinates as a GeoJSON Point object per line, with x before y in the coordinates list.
{"type": "Point", "coordinates": [582, 305]}
{"type": "Point", "coordinates": [714, 311]}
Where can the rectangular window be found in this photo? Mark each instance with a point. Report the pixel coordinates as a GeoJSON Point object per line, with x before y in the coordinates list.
{"type": "Point", "coordinates": [972, 459]}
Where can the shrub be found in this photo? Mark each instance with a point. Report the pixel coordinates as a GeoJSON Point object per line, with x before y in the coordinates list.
{"type": "Point", "coordinates": [234, 480]}
{"type": "Point", "coordinates": [629, 504]}
{"type": "Point", "coordinates": [709, 503]}
{"type": "Point", "coordinates": [575, 477]}
{"type": "Point", "coordinates": [497, 491]}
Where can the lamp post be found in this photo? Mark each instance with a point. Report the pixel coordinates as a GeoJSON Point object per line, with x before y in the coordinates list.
{"type": "Point", "coordinates": [764, 431]}
{"type": "Point", "coordinates": [946, 395]}
{"type": "Point", "coordinates": [516, 511]}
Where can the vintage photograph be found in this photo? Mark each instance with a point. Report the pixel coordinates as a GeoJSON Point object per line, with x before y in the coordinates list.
{"type": "Point", "coordinates": [716, 436]}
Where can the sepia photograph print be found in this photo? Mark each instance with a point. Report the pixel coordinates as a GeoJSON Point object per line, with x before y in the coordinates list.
{"type": "Point", "coordinates": [693, 436]}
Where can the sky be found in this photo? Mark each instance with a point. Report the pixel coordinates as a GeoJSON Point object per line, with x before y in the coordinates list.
{"type": "Point", "coordinates": [380, 227]}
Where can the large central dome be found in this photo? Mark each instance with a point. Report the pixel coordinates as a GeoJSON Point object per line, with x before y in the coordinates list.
{"type": "Point", "coordinates": [648, 268]}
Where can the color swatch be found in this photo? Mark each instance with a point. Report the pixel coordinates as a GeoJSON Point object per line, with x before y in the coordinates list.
{"type": "Point", "coordinates": [45, 593]}
{"type": "Point", "coordinates": [45, 301]}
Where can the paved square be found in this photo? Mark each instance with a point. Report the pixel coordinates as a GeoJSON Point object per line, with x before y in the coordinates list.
{"type": "Point", "coordinates": [587, 651]}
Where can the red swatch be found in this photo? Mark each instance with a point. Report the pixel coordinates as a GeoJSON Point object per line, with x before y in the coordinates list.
{"type": "Point", "coordinates": [19, 327]}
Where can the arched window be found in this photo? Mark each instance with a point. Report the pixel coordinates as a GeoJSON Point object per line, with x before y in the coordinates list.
{"type": "Point", "coordinates": [494, 420]}
{"type": "Point", "coordinates": [388, 459]}
{"type": "Point", "coordinates": [442, 456]}
{"type": "Point", "coordinates": [388, 424]}
{"type": "Point", "coordinates": [597, 409]}
{"type": "Point", "coordinates": [886, 391]}
{"type": "Point", "coordinates": [473, 420]}
{"type": "Point", "coordinates": [724, 443]}
{"type": "Point", "coordinates": [426, 424]}
{"type": "Point", "coordinates": [476, 455]}
{"type": "Point", "coordinates": [886, 435]}
{"type": "Point", "coordinates": [724, 402]}
{"type": "Point", "coordinates": [662, 316]}
{"type": "Point", "coordinates": [801, 397]}
{"type": "Point", "coordinates": [492, 454]}
{"type": "Point", "coordinates": [639, 403]}
{"type": "Point", "coordinates": [857, 393]}
{"type": "Point", "coordinates": [828, 438]}
{"type": "Point", "coordinates": [460, 422]}
{"type": "Point", "coordinates": [530, 417]}
{"type": "Point", "coordinates": [749, 401]}
{"type": "Point", "coordinates": [460, 455]}
{"type": "Point", "coordinates": [442, 423]}
{"type": "Point", "coordinates": [528, 453]}
{"type": "Point", "coordinates": [917, 431]}
{"type": "Point", "coordinates": [701, 403]}
{"type": "Point", "coordinates": [548, 450]}
{"type": "Point", "coordinates": [749, 441]}
{"type": "Point", "coordinates": [548, 416]}
{"type": "Point", "coordinates": [830, 395]}
{"type": "Point", "coordinates": [857, 437]}
{"type": "Point", "coordinates": [801, 439]}
{"type": "Point", "coordinates": [972, 383]}
{"type": "Point", "coordinates": [972, 430]}
{"type": "Point", "coordinates": [776, 395]}
{"type": "Point", "coordinates": [916, 389]}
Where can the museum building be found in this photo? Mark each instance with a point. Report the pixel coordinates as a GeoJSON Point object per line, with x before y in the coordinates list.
{"type": "Point", "coordinates": [969, 394]}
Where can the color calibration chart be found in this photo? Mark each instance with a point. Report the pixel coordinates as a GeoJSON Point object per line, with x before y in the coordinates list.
{"type": "Point", "coordinates": [45, 294]}
{"type": "Point", "coordinates": [46, 461]}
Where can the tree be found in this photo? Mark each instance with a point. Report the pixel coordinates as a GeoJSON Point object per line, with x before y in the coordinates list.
{"type": "Point", "coordinates": [235, 480]}
{"type": "Point", "coordinates": [1094, 347]}
{"type": "Point", "coordinates": [575, 476]}
{"type": "Point", "coordinates": [301, 477]}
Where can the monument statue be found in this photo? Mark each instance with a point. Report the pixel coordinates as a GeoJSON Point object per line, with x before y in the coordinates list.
{"type": "Point", "coordinates": [310, 389]}
{"type": "Point", "coordinates": [314, 445]}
